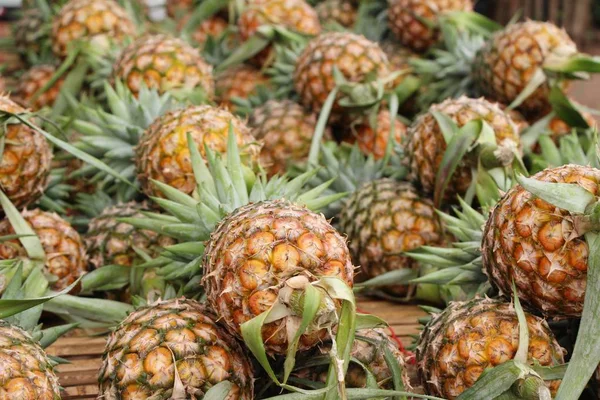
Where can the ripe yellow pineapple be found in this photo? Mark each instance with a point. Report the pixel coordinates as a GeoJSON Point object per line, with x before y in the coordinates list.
{"type": "Point", "coordinates": [426, 144]}
{"type": "Point", "coordinates": [460, 343]}
{"type": "Point", "coordinates": [213, 26]}
{"type": "Point", "coordinates": [177, 8]}
{"type": "Point", "coordinates": [173, 350]}
{"type": "Point", "coordinates": [240, 81]}
{"type": "Point", "coordinates": [538, 245]}
{"type": "Point", "coordinates": [344, 12]}
{"type": "Point", "coordinates": [285, 129]}
{"type": "Point", "coordinates": [383, 219]}
{"type": "Point", "coordinates": [26, 160]}
{"type": "Point", "coordinates": [369, 349]}
{"type": "Point", "coordinates": [406, 20]}
{"type": "Point", "coordinates": [65, 252]}
{"type": "Point", "coordinates": [99, 22]}
{"type": "Point", "coordinates": [356, 57]}
{"type": "Point", "coordinates": [295, 15]}
{"type": "Point", "coordinates": [111, 242]}
{"type": "Point", "coordinates": [33, 80]}
{"type": "Point", "coordinates": [164, 63]}
{"type": "Point", "coordinates": [257, 251]}
{"type": "Point", "coordinates": [374, 139]}
{"type": "Point", "coordinates": [163, 154]}
{"type": "Point", "coordinates": [26, 372]}
{"type": "Point", "coordinates": [508, 62]}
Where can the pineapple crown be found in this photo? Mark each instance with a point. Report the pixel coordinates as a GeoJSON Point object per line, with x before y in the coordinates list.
{"type": "Point", "coordinates": [112, 135]}
{"type": "Point", "coordinates": [223, 185]}
{"type": "Point", "coordinates": [462, 264]}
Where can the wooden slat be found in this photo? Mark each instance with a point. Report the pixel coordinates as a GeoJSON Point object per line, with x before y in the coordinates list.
{"type": "Point", "coordinates": [79, 378]}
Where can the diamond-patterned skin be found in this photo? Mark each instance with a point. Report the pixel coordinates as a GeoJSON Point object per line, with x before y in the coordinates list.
{"type": "Point", "coordinates": [465, 339]}
{"type": "Point", "coordinates": [343, 12]}
{"type": "Point", "coordinates": [510, 59]}
{"type": "Point", "coordinates": [374, 140]}
{"type": "Point", "coordinates": [176, 340]}
{"type": "Point", "coordinates": [100, 22]}
{"type": "Point", "coordinates": [26, 372]}
{"type": "Point", "coordinates": [539, 245]}
{"type": "Point", "coordinates": [286, 130]}
{"type": "Point", "coordinates": [384, 219]}
{"type": "Point", "coordinates": [405, 20]}
{"type": "Point", "coordinates": [163, 153]}
{"type": "Point", "coordinates": [164, 63]}
{"type": "Point", "coordinates": [65, 252]}
{"type": "Point", "coordinates": [256, 250]}
{"type": "Point", "coordinates": [295, 15]}
{"type": "Point", "coordinates": [355, 57]}
{"type": "Point", "coordinates": [239, 81]}
{"type": "Point", "coordinates": [26, 160]}
{"type": "Point", "coordinates": [426, 145]}
{"type": "Point", "coordinates": [33, 80]}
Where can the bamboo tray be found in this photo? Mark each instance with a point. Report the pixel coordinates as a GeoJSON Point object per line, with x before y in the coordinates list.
{"type": "Point", "coordinates": [79, 378]}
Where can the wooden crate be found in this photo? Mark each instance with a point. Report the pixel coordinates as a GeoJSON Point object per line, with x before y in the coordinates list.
{"type": "Point", "coordinates": [79, 378]}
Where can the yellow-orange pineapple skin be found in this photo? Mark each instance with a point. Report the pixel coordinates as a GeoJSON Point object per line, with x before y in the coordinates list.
{"type": "Point", "coordinates": [383, 219]}
{"type": "Point", "coordinates": [510, 59]}
{"type": "Point", "coordinates": [65, 252]}
{"type": "Point", "coordinates": [369, 349]}
{"type": "Point", "coordinates": [163, 153]}
{"type": "Point", "coordinates": [255, 250]}
{"type": "Point", "coordinates": [33, 80]}
{"type": "Point", "coordinates": [286, 130]}
{"type": "Point", "coordinates": [295, 15]}
{"type": "Point", "coordinates": [27, 372]}
{"type": "Point", "coordinates": [26, 160]}
{"type": "Point", "coordinates": [426, 145]}
{"type": "Point", "coordinates": [344, 12]}
{"type": "Point", "coordinates": [355, 57]}
{"type": "Point", "coordinates": [144, 351]}
{"type": "Point", "coordinates": [538, 245]}
{"type": "Point", "coordinates": [465, 339]}
{"type": "Point", "coordinates": [100, 22]}
{"type": "Point", "coordinates": [373, 140]}
{"type": "Point", "coordinates": [240, 81]}
{"type": "Point", "coordinates": [110, 241]}
{"type": "Point", "coordinates": [177, 8]}
{"type": "Point", "coordinates": [213, 26]}
{"type": "Point", "coordinates": [405, 20]}
{"type": "Point", "coordinates": [164, 63]}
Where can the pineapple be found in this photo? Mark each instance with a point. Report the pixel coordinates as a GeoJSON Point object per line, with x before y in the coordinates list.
{"type": "Point", "coordinates": [111, 242]}
{"type": "Point", "coordinates": [369, 350]}
{"type": "Point", "coordinates": [373, 140]}
{"type": "Point", "coordinates": [407, 20]}
{"type": "Point", "coordinates": [210, 27]}
{"type": "Point", "coordinates": [241, 81]}
{"type": "Point", "coordinates": [295, 15]}
{"type": "Point", "coordinates": [426, 144]}
{"type": "Point", "coordinates": [173, 349]}
{"type": "Point", "coordinates": [539, 246]}
{"type": "Point", "coordinates": [356, 57]}
{"type": "Point", "coordinates": [164, 63]}
{"type": "Point", "coordinates": [343, 12]}
{"type": "Point", "coordinates": [27, 372]}
{"type": "Point", "coordinates": [66, 258]}
{"type": "Point", "coordinates": [383, 219]}
{"type": "Point", "coordinates": [507, 64]}
{"type": "Point", "coordinates": [32, 81]}
{"type": "Point", "coordinates": [98, 22]}
{"type": "Point", "coordinates": [286, 130]}
{"type": "Point", "coordinates": [31, 34]}
{"type": "Point", "coordinates": [163, 155]}
{"type": "Point", "coordinates": [26, 159]}
{"type": "Point", "coordinates": [255, 252]}
{"type": "Point", "coordinates": [464, 340]}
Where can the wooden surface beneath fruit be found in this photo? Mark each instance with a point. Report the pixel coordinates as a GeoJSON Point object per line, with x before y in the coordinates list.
{"type": "Point", "coordinates": [84, 352]}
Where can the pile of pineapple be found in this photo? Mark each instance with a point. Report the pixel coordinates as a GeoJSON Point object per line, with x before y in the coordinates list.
{"type": "Point", "coordinates": [216, 188]}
